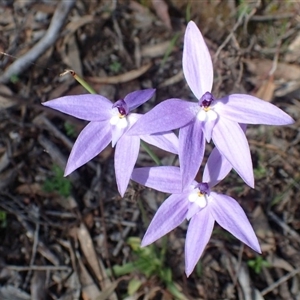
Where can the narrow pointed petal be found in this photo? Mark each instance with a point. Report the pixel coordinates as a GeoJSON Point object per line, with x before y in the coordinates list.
{"type": "Point", "coordinates": [117, 132]}
{"type": "Point", "coordinates": [251, 110]}
{"type": "Point", "coordinates": [90, 142]}
{"type": "Point", "coordinates": [137, 98]}
{"type": "Point", "coordinates": [126, 153]}
{"type": "Point", "coordinates": [166, 141]}
{"type": "Point", "coordinates": [163, 179]}
{"type": "Point", "coordinates": [196, 61]}
{"type": "Point", "coordinates": [216, 168]}
{"type": "Point", "coordinates": [193, 209]}
{"type": "Point", "coordinates": [86, 107]}
{"type": "Point", "coordinates": [231, 141]}
{"type": "Point", "coordinates": [166, 116]}
{"type": "Point", "coordinates": [197, 237]}
{"type": "Point", "coordinates": [211, 118]}
{"type": "Point", "coordinates": [230, 215]}
{"type": "Point", "coordinates": [169, 215]}
{"type": "Point", "coordinates": [191, 151]}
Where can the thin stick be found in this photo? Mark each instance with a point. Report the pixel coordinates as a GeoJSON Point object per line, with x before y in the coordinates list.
{"type": "Point", "coordinates": [37, 268]}
{"type": "Point", "coordinates": [57, 21]}
{"type": "Point", "coordinates": [280, 281]}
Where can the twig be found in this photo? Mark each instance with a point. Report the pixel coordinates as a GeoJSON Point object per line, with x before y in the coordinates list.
{"type": "Point", "coordinates": [235, 27]}
{"type": "Point", "coordinates": [272, 17]}
{"type": "Point", "coordinates": [280, 281]}
{"type": "Point", "coordinates": [41, 120]}
{"type": "Point", "coordinates": [37, 268]}
{"type": "Point", "coordinates": [125, 233]}
{"type": "Point", "coordinates": [57, 157]}
{"type": "Point", "coordinates": [48, 40]}
{"type": "Point", "coordinates": [34, 246]}
{"type": "Point", "coordinates": [125, 77]}
{"type": "Point", "coordinates": [284, 226]}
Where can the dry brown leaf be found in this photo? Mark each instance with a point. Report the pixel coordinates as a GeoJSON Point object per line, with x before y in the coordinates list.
{"type": "Point", "coordinates": [76, 23]}
{"type": "Point", "coordinates": [62, 88]}
{"type": "Point", "coordinates": [90, 290]}
{"type": "Point", "coordinates": [93, 260]}
{"type": "Point", "coordinates": [293, 53]}
{"type": "Point", "coordinates": [263, 230]}
{"type": "Point", "coordinates": [142, 15]}
{"type": "Point", "coordinates": [31, 189]}
{"type": "Point", "coordinates": [105, 294]}
{"type": "Point", "coordinates": [89, 252]}
{"type": "Point", "coordinates": [10, 292]}
{"type": "Point", "coordinates": [4, 161]}
{"type": "Point", "coordinates": [37, 285]}
{"type": "Point", "coordinates": [122, 77]}
{"type": "Point", "coordinates": [7, 18]}
{"type": "Point", "coordinates": [43, 7]}
{"type": "Point", "coordinates": [155, 50]}
{"type": "Point", "coordinates": [6, 100]}
{"type": "Point", "coordinates": [246, 284]}
{"type": "Point", "coordinates": [282, 264]}
{"type": "Point", "coordinates": [262, 67]}
{"type": "Point", "coordinates": [68, 48]}
{"type": "Point", "coordinates": [266, 90]}
{"type": "Point", "coordinates": [172, 80]}
{"type": "Point", "coordinates": [161, 9]}
{"type": "Point", "coordinates": [72, 286]}
{"type": "Point", "coordinates": [71, 56]}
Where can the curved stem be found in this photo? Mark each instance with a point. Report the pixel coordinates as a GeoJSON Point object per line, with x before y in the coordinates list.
{"type": "Point", "coordinates": [151, 153]}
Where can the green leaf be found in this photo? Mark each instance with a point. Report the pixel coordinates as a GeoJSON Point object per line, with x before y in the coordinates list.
{"type": "Point", "coordinates": [173, 289]}
{"type": "Point", "coordinates": [133, 286]}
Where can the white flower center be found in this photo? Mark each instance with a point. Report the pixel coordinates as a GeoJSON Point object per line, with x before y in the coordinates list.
{"type": "Point", "coordinates": [118, 120]}
{"type": "Point", "coordinates": [198, 198]}
{"type": "Point", "coordinates": [207, 114]}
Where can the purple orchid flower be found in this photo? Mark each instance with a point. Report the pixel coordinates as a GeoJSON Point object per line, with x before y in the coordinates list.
{"type": "Point", "coordinates": [210, 118]}
{"type": "Point", "coordinates": [109, 123]}
{"type": "Point", "coordinates": [196, 203]}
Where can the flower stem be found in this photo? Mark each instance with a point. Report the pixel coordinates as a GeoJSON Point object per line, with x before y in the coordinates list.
{"type": "Point", "coordinates": [151, 153]}
{"type": "Point", "coordinates": [80, 80]}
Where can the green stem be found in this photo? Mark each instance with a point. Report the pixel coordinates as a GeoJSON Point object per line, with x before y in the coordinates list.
{"type": "Point", "coordinates": [84, 84]}
{"type": "Point", "coordinates": [92, 91]}
{"type": "Point", "coordinates": [151, 153]}
{"type": "Point", "coordinates": [80, 80]}
{"type": "Point", "coordinates": [143, 211]}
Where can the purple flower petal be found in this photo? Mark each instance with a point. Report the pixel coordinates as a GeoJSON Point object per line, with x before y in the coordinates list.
{"type": "Point", "coordinates": [208, 127]}
{"type": "Point", "coordinates": [166, 141]}
{"type": "Point", "coordinates": [126, 153]}
{"type": "Point", "coordinates": [196, 61]}
{"type": "Point", "coordinates": [86, 107]}
{"type": "Point", "coordinates": [251, 110]}
{"type": "Point", "coordinates": [169, 215]}
{"type": "Point", "coordinates": [90, 142]}
{"type": "Point", "coordinates": [116, 133]}
{"type": "Point", "coordinates": [191, 151]}
{"type": "Point", "coordinates": [137, 98]}
{"type": "Point", "coordinates": [166, 116]}
{"type": "Point", "coordinates": [164, 179]}
{"type": "Point", "coordinates": [229, 214]}
{"type": "Point", "coordinates": [197, 237]}
{"type": "Point", "coordinates": [216, 168]}
{"type": "Point", "coordinates": [231, 141]}
{"type": "Point", "coordinates": [193, 209]}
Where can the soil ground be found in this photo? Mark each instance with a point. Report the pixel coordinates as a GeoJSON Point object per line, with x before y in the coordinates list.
{"type": "Point", "coordinates": [75, 237]}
